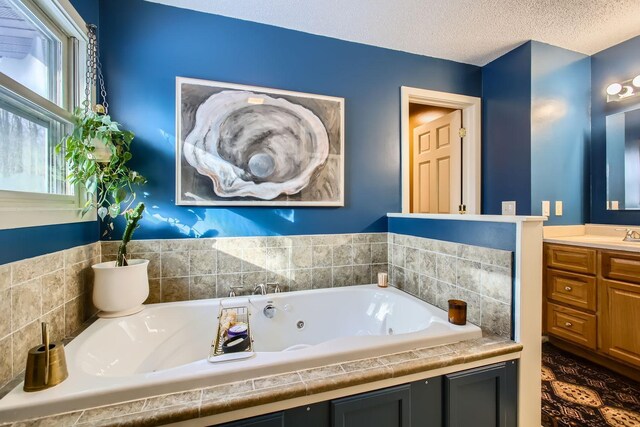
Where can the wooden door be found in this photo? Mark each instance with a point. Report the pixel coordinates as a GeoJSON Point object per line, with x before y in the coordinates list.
{"type": "Point", "coordinates": [620, 310]}
{"type": "Point", "coordinates": [437, 158]}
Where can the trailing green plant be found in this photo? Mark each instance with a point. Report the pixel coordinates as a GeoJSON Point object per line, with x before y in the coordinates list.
{"type": "Point", "coordinates": [109, 183]}
{"type": "Point", "coordinates": [131, 216]}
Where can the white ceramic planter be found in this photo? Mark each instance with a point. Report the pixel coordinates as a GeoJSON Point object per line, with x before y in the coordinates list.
{"type": "Point", "coordinates": [102, 154]}
{"type": "Point", "coordinates": [120, 291]}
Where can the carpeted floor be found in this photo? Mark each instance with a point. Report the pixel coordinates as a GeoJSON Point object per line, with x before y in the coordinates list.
{"type": "Point", "coordinates": [576, 392]}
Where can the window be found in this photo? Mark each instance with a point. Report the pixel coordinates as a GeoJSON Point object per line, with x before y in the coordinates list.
{"type": "Point", "coordinates": [30, 52]}
{"type": "Point", "coordinates": [42, 59]}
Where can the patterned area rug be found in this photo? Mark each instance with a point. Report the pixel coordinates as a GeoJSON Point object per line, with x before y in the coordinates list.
{"type": "Point", "coordinates": [576, 392]}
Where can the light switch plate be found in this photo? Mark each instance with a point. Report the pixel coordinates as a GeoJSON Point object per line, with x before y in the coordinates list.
{"type": "Point", "coordinates": [559, 208]}
{"type": "Point", "coordinates": [546, 208]}
{"type": "Point", "coordinates": [509, 208]}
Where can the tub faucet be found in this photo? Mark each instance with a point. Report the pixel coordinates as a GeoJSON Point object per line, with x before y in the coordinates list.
{"type": "Point", "coordinates": [260, 289]}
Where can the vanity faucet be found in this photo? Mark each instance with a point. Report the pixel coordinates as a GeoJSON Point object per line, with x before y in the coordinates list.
{"type": "Point", "coordinates": [631, 235]}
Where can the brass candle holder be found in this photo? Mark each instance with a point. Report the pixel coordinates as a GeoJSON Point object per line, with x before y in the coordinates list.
{"type": "Point", "coordinates": [46, 364]}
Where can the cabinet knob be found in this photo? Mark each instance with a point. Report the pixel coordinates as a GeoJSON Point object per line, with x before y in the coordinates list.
{"type": "Point", "coordinates": [567, 288]}
{"type": "Point", "coordinates": [568, 324]}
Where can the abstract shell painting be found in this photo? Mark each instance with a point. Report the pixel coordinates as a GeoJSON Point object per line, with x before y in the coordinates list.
{"type": "Point", "coordinates": [242, 145]}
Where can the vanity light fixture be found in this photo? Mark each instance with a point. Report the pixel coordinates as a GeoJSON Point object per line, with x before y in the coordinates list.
{"type": "Point", "coordinates": [623, 90]}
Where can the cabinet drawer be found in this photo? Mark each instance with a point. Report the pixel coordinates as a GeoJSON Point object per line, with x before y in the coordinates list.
{"type": "Point", "coordinates": [623, 266]}
{"type": "Point", "coordinates": [572, 325]}
{"type": "Point", "coordinates": [571, 258]}
{"type": "Point", "coordinates": [573, 289]}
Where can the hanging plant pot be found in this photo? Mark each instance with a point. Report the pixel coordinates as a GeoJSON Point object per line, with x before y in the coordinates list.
{"type": "Point", "coordinates": [102, 153]}
{"type": "Point", "coordinates": [120, 291]}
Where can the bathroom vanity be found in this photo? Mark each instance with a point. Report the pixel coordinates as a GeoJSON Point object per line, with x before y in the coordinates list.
{"type": "Point", "coordinates": [592, 291]}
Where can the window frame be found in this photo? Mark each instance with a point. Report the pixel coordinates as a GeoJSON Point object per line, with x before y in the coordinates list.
{"type": "Point", "coordinates": [26, 209]}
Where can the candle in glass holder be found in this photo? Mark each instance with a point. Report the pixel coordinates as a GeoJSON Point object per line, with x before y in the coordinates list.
{"type": "Point", "coordinates": [457, 312]}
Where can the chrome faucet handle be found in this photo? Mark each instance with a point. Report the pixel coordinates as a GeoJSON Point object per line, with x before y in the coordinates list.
{"type": "Point", "coordinates": [260, 288]}
{"type": "Point", "coordinates": [276, 287]}
{"type": "Point", "coordinates": [233, 293]}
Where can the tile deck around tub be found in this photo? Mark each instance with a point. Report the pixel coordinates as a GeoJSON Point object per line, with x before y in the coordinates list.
{"type": "Point", "coordinates": [192, 404]}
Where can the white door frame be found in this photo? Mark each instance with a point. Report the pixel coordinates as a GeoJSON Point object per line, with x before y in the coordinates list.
{"type": "Point", "coordinates": [471, 150]}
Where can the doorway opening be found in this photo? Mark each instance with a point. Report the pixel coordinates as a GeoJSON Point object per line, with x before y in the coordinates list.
{"type": "Point", "coordinates": [440, 152]}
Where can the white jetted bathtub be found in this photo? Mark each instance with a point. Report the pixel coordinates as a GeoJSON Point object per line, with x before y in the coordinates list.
{"type": "Point", "coordinates": [165, 347]}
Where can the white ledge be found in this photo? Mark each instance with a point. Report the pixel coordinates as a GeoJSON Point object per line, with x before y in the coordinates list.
{"type": "Point", "coordinates": [465, 217]}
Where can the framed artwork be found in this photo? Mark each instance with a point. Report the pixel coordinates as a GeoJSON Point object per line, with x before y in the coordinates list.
{"type": "Point", "coordinates": [240, 145]}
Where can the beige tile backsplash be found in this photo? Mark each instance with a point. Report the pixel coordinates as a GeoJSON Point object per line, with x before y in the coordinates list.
{"type": "Point", "coordinates": [57, 287]}
{"type": "Point", "coordinates": [186, 269]}
{"type": "Point", "coordinates": [436, 271]}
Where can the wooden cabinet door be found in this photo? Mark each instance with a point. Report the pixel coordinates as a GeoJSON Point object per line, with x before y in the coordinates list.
{"type": "Point", "coordinates": [619, 329]}
{"type": "Point", "coordinates": [384, 408]}
{"type": "Point", "coordinates": [482, 397]}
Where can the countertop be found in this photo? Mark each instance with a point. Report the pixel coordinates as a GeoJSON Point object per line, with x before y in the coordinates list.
{"type": "Point", "coordinates": [595, 241]}
{"type": "Point", "coordinates": [204, 402]}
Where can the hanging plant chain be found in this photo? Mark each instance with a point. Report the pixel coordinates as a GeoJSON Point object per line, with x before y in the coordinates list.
{"type": "Point", "coordinates": [94, 72]}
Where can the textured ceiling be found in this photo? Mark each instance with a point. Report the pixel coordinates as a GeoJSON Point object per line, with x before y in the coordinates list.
{"type": "Point", "coordinates": [470, 31]}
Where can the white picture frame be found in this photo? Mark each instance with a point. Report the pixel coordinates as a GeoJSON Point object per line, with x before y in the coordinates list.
{"type": "Point", "coordinates": [213, 168]}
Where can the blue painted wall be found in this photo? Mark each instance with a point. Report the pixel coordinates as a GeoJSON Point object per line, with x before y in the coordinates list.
{"type": "Point", "coordinates": [88, 9]}
{"type": "Point", "coordinates": [506, 131]}
{"type": "Point", "coordinates": [618, 63]}
{"type": "Point", "coordinates": [21, 243]}
{"type": "Point", "coordinates": [560, 131]}
{"type": "Point", "coordinates": [28, 242]}
{"type": "Point", "coordinates": [496, 235]}
{"type": "Point", "coordinates": [146, 45]}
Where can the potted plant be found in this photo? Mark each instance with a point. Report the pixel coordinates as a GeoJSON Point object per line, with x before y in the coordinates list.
{"type": "Point", "coordinates": [97, 152]}
{"type": "Point", "coordinates": [121, 286]}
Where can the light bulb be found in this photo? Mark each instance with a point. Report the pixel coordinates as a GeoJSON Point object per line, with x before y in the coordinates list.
{"type": "Point", "coordinates": [614, 89]}
{"type": "Point", "coordinates": [636, 81]}
{"type": "Point", "coordinates": [627, 91]}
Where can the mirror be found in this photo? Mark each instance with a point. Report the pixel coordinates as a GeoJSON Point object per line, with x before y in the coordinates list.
{"type": "Point", "coordinates": [623, 160]}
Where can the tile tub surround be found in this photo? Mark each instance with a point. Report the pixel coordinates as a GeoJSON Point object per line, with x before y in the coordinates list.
{"type": "Point", "coordinates": [223, 398]}
{"type": "Point", "coordinates": [436, 271]}
{"type": "Point", "coordinates": [188, 269]}
{"type": "Point", "coordinates": [55, 288]}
